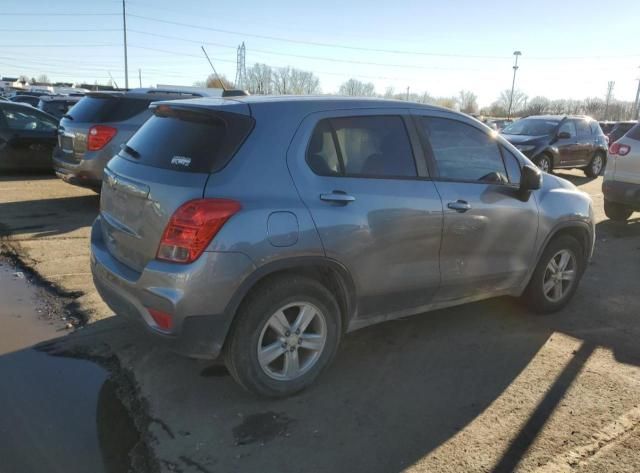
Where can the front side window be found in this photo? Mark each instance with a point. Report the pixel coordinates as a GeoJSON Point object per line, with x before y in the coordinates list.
{"type": "Point", "coordinates": [464, 153]}
{"type": "Point", "coordinates": [24, 120]}
{"type": "Point", "coordinates": [373, 146]}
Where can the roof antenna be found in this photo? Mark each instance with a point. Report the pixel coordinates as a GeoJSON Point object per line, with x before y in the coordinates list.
{"type": "Point", "coordinates": [214, 69]}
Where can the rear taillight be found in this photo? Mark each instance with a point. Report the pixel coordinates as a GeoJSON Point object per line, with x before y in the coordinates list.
{"type": "Point", "coordinates": [619, 149]}
{"type": "Point", "coordinates": [192, 227]}
{"type": "Point", "coordinates": [99, 136]}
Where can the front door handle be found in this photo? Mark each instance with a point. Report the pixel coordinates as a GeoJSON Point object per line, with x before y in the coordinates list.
{"type": "Point", "coordinates": [338, 197]}
{"type": "Point", "coordinates": [459, 205]}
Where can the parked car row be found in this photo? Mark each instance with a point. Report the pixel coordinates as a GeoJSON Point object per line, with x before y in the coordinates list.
{"type": "Point", "coordinates": [253, 228]}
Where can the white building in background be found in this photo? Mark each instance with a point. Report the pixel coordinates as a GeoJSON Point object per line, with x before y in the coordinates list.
{"type": "Point", "coordinates": [10, 83]}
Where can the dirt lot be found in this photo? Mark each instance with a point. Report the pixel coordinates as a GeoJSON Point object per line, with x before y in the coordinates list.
{"type": "Point", "coordinates": [484, 387]}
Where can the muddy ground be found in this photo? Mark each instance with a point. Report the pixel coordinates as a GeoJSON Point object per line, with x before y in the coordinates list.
{"type": "Point", "coordinates": [483, 387]}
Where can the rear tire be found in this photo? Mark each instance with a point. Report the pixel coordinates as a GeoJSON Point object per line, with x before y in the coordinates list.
{"type": "Point", "coordinates": [595, 167]}
{"type": "Point", "coordinates": [616, 212]}
{"type": "Point", "coordinates": [545, 163]}
{"type": "Point", "coordinates": [260, 333]}
{"type": "Point", "coordinates": [539, 294]}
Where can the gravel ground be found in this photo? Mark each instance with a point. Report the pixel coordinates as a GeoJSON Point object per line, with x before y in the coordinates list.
{"type": "Point", "coordinates": [482, 387]}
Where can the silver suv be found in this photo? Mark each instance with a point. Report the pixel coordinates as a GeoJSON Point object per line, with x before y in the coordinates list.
{"type": "Point", "coordinates": [93, 130]}
{"type": "Point", "coordinates": [264, 228]}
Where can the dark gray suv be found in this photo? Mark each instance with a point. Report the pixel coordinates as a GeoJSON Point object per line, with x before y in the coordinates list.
{"type": "Point", "coordinates": [264, 228]}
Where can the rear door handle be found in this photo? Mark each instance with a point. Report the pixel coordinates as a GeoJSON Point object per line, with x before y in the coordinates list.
{"type": "Point", "coordinates": [339, 197]}
{"type": "Point", "coordinates": [459, 205]}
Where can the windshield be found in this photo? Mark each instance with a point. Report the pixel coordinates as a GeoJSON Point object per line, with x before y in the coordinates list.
{"type": "Point", "coordinates": [531, 127]}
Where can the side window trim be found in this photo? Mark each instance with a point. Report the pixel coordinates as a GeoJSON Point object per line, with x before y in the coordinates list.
{"type": "Point", "coordinates": [336, 145]}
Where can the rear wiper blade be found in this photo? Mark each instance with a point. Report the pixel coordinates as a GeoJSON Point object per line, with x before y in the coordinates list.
{"type": "Point", "coordinates": [67, 116]}
{"type": "Point", "coordinates": [130, 151]}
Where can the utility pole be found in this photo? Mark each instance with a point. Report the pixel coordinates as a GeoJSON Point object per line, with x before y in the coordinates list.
{"type": "Point", "coordinates": [610, 85]}
{"type": "Point", "coordinates": [140, 77]}
{"type": "Point", "coordinates": [241, 68]}
{"type": "Point", "coordinates": [124, 30]}
{"type": "Point", "coordinates": [513, 82]}
{"type": "Point", "coordinates": [407, 93]}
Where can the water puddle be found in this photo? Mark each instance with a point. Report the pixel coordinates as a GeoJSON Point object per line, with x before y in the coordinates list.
{"type": "Point", "coordinates": [57, 414]}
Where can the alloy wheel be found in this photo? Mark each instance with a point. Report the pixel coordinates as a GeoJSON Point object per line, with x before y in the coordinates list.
{"type": "Point", "coordinates": [292, 341]}
{"type": "Point", "coordinates": [596, 165]}
{"type": "Point", "coordinates": [559, 275]}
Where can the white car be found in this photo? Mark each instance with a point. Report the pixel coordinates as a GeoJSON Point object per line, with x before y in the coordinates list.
{"type": "Point", "coordinates": [621, 185]}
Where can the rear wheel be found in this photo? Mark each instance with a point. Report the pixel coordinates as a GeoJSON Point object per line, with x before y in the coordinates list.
{"type": "Point", "coordinates": [556, 277]}
{"type": "Point", "coordinates": [544, 163]}
{"type": "Point", "coordinates": [596, 166]}
{"type": "Point", "coordinates": [617, 212]}
{"type": "Point", "coordinates": [285, 333]}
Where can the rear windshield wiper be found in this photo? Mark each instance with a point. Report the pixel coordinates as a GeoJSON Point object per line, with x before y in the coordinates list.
{"type": "Point", "coordinates": [66, 115]}
{"type": "Point", "coordinates": [130, 151]}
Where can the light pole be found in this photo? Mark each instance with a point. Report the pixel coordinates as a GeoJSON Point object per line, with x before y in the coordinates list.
{"type": "Point", "coordinates": [637, 103]}
{"type": "Point", "coordinates": [124, 30]}
{"type": "Point", "coordinates": [513, 83]}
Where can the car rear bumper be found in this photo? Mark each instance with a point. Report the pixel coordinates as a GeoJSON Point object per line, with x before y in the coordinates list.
{"type": "Point", "coordinates": [196, 296]}
{"type": "Point", "coordinates": [627, 193]}
{"type": "Point", "coordinates": [85, 172]}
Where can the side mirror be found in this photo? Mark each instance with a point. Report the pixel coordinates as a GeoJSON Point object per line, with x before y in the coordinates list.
{"type": "Point", "coordinates": [564, 135]}
{"type": "Point", "coordinates": [530, 180]}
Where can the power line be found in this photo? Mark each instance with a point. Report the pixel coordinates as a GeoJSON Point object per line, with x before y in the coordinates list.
{"type": "Point", "coordinates": [58, 14]}
{"type": "Point", "coordinates": [313, 43]}
{"type": "Point", "coordinates": [56, 30]}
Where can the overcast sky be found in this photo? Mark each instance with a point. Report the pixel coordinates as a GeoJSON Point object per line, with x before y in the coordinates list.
{"type": "Point", "coordinates": [569, 49]}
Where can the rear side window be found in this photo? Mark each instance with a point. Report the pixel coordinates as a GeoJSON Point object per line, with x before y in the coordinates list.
{"type": "Point", "coordinates": [369, 146]}
{"type": "Point", "coordinates": [464, 153]}
{"type": "Point", "coordinates": [107, 109]}
{"type": "Point", "coordinates": [188, 141]}
{"type": "Point", "coordinates": [595, 128]}
{"type": "Point", "coordinates": [570, 127]}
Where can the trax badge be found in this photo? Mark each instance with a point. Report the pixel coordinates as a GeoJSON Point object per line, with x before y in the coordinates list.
{"type": "Point", "coordinates": [181, 161]}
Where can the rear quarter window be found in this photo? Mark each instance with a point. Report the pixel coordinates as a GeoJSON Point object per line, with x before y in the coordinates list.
{"type": "Point", "coordinates": [107, 109]}
{"type": "Point", "coordinates": [188, 141]}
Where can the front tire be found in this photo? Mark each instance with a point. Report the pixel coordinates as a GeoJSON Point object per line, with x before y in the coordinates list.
{"type": "Point", "coordinates": [616, 212]}
{"type": "Point", "coordinates": [545, 163]}
{"type": "Point", "coordinates": [284, 335]}
{"type": "Point", "coordinates": [557, 275]}
{"type": "Point", "coordinates": [595, 167]}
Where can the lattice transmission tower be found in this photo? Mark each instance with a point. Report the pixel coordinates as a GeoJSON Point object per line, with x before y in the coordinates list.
{"type": "Point", "coordinates": [241, 69]}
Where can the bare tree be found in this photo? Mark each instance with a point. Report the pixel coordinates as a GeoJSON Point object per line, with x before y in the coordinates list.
{"type": "Point", "coordinates": [519, 100]}
{"type": "Point", "coordinates": [447, 102]}
{"type": "Point", "coordinates": [356, 88]}
{"type": "Point", "coordinates": [259, 79]}
{"type": "Point", "coordinates": [43, 79]}
{"type": "Point", "coordinates": [213, 82]}
{"type": "Point", "coordinates": [593, 106]}
{"type": "Point", "coordinates": [537, 106]}
{"type": "Point", "coordinates": [288, 81]}
{"type": "Point", "coordinates": [468, 101]}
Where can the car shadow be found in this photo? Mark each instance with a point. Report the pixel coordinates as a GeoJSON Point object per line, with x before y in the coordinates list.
{"type": "Point", "coordinates": [47, 217]}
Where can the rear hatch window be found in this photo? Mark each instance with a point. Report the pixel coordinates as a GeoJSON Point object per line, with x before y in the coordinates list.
{"type": "Point", "coordinates": [188, 140]}
{"type": "Point", "coordinates": [634, 133]}
{"type": "Point", "coordinates": [96, 109]}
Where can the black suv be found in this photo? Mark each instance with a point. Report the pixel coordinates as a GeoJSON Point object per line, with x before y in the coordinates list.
{"type": "Point", "coordinates": [560, 142]}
